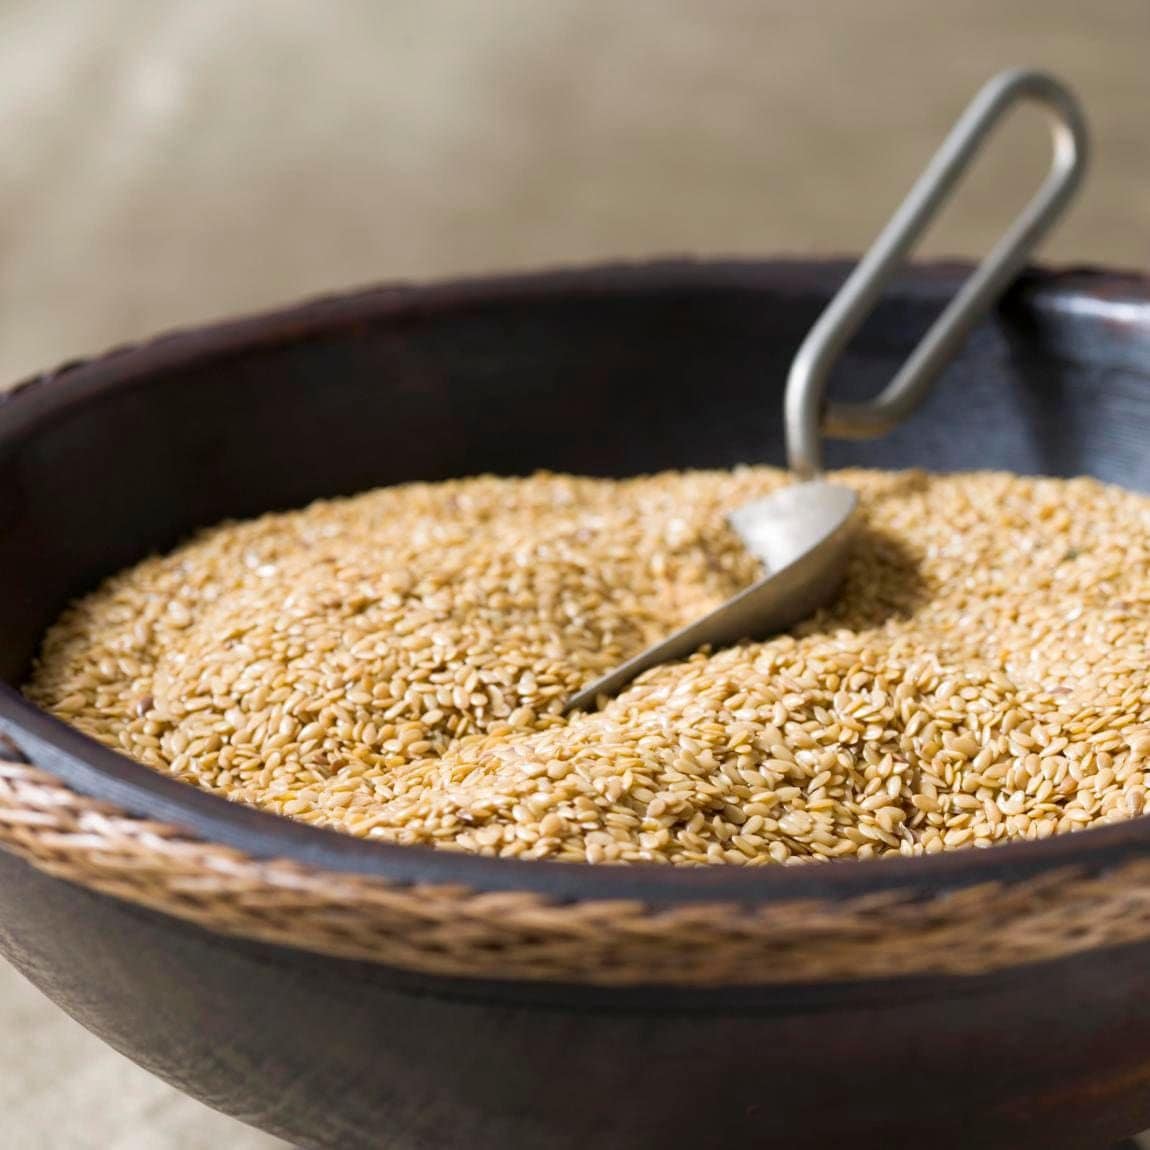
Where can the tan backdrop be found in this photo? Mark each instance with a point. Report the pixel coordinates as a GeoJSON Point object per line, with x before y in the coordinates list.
{"type": "Point", "coordinates": [168, 162]}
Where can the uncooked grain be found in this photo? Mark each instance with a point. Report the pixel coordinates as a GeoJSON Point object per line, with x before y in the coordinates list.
{"type": "Point", "coordinates": [393, 666]}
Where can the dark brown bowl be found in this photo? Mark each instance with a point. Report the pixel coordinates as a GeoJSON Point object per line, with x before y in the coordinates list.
{"type": "Point", "coordinates": [607, 371]}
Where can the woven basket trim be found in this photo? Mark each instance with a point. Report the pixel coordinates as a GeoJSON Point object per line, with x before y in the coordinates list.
{"type": "Point", "coordinates": [451, 930]}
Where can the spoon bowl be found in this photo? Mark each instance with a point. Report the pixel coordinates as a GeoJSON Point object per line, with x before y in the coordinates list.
{"type": "Point", "coordinates": [801, 535]}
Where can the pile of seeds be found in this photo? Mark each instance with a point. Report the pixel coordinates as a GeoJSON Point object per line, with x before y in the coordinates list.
{"type": "Point", "coordinates": [393, 666]}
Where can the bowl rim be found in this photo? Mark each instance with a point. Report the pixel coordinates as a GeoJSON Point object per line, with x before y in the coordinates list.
{"type": "Point", "coordinates": [1111, 297]}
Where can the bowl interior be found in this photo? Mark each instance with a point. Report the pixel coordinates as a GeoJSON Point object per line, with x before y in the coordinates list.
{"type": "Point", "coordinates": [609, 371]}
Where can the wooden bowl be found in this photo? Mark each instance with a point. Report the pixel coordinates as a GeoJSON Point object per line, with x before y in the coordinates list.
{"type": "Point", "coordinates": [989, 998]}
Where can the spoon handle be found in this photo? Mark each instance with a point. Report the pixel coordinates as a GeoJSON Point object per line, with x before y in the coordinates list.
{"type": "Point", "coordinates": [808, 415]}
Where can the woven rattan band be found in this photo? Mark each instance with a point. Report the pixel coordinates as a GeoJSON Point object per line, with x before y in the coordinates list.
{"type": "Point", "coordinates": [455, 931]}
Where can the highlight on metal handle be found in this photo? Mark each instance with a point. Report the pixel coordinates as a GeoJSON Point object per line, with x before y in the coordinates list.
{"type": "Point", "coordinates": [807, 415]}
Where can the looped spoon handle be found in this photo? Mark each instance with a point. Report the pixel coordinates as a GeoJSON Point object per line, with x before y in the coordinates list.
{"type": "Point", "coordinates": [808, 416]}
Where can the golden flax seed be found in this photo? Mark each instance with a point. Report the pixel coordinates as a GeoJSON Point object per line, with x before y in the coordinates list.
{"type": "Point", "coordinates": [393, 666]}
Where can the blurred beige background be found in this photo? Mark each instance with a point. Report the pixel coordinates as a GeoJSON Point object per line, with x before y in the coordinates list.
{"type": "Point", "coordinates": [167, 162]}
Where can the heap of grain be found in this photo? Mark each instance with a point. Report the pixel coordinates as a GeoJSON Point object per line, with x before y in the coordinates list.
{"type": "Point", "coordinates": [393, 666]}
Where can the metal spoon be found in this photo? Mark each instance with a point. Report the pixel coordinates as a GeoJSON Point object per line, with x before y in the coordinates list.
{"type": "Point", "coordinates": [802, 533]}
